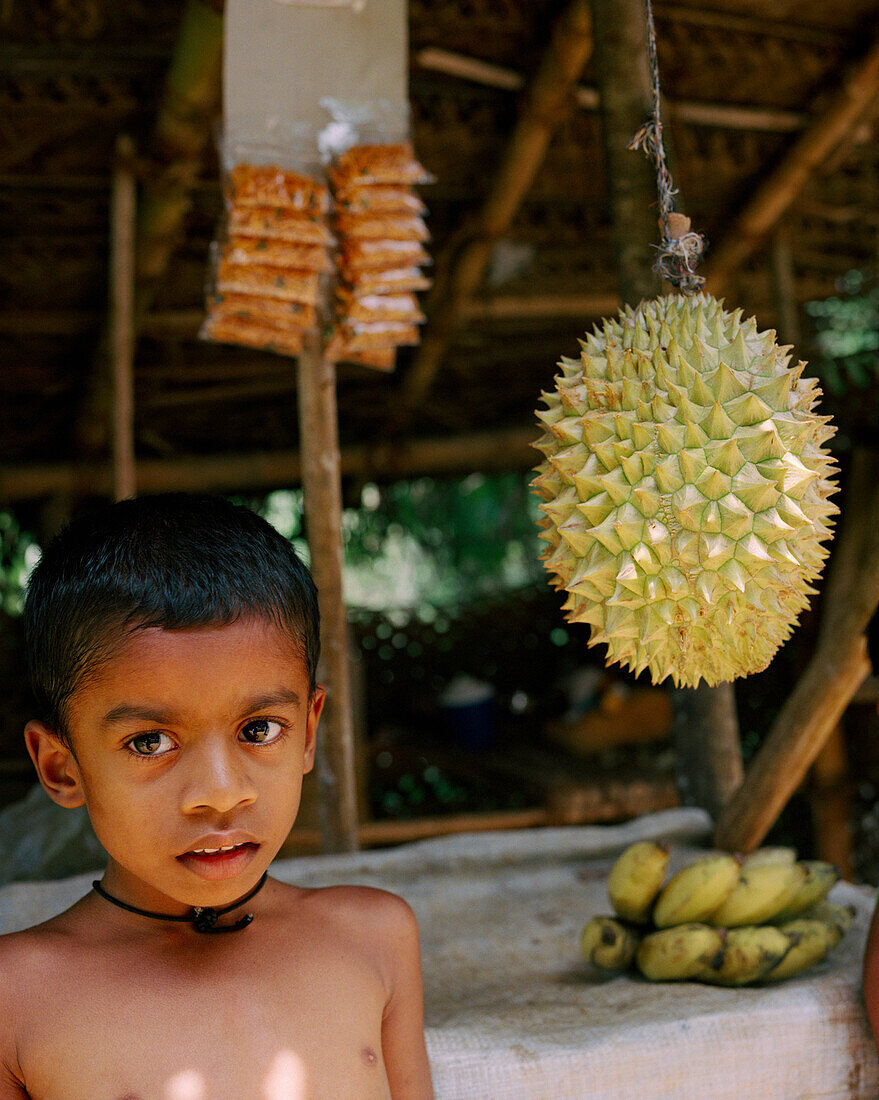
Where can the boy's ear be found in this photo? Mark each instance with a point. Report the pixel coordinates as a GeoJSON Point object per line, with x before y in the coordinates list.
{"type": "Point", "coordinates": [56, 765]}
{"type": "Point", "coordinates": [315, 706]}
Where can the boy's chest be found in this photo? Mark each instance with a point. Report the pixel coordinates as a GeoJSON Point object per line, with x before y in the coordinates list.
{"type": "Point", "coordinates": [247, 1032]}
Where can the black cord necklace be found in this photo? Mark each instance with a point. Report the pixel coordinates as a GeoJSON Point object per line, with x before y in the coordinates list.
{"type": "Point", "coordinates": [202, 918]}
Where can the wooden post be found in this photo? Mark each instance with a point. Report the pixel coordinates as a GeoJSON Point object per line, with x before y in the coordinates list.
{"type": "Point", "coordinates": [838, 667]}
{"type": "Point", "coordinates": [626, 98]}
{"type": "Point", "coordinates": [706, 739]}
{"type": "Point", "coordinates": [321, 482]}
{"type": "Point", "coordinates": [122, 327]}
{"type": "Point", "coordinates": [705, 725]}
{"type": "Point", "coordinates": [830, 795]}
{"type": "Point", "coordinates": [784, 287]}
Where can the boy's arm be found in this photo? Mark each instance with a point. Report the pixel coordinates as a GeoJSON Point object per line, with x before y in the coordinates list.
{"type": "Point", "coordinates": [871, 975]}
{"type": "Point", "coordinates": [405, 1054]}
{"type": "Point", "coordinates": [11, 1083]}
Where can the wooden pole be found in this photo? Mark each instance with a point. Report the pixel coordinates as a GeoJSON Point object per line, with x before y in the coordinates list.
{"type": "Point", "coordinates": [546, 103]}
{"type": "Point", "coordinates": [705, 726]}
{"type": "Point", "coordinates": [781, 188]}
{"type": "Point", "coordinates": [706, 739]}
{"type": "Point", "coordinates": [830, 796]}
{"type": "Point", "coordinates": [626, 103]}
{"type": "Point", "coordinates": [183, 125]}
{"type": "Point", "coordinates": [838, 667]}
{"type": "Point", "coordinates": [321, 473]}
{"type": "Point", "coordinates": [122, 331]}
{"type": "Point", "coordinates": [784, 287]}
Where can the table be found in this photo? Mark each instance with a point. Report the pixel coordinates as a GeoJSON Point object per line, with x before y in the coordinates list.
{"type": "Point", "coordinates": [513, 1014]}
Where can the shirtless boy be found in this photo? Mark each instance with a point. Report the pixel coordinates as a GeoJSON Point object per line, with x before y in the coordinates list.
{"type": "Point", "coordinates": [172, 643]}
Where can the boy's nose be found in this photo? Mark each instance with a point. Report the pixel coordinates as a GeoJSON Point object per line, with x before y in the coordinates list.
{"type": "Point", "coordinates": [217, 780]}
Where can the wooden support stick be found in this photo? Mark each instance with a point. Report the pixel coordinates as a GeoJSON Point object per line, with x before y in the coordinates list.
{"type": "Point", "coordinates": [321, 473]}
{"type": "Point", "coordinates": [706, 739]}
{"type": "Point", "coordinates": [838, 667]}
{"type": "Point", "coordinates": [122, 326]}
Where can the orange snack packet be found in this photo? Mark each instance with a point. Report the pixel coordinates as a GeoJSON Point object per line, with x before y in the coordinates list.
{"type": "Point", "coordinates": [379, 307]}
{"type": "Point", "coordinates": [274, 253]}
{"type": "Point", "coordinates": [384, 280]}
{"type": "Point", "coordinates": [252, 185]}
{"type": "Point", "coordinates": [376, 200]}
{"type": "Point", "coordinates": [270, 311]}
{"type": "Point", "coordinates": [359, 255]}
{"type": "Point", "coordinates": [269, 282]}
{"type": "Point", "coordinates": [364, 336]}
{"type": "Point", "coordinates": [279, 223]}
{"type": "Point", "coordinates": [378, 164]}
{"type": "Point", "coordinates": [388, 227]}
{"type": "Point", "coordinates": [252, 334]}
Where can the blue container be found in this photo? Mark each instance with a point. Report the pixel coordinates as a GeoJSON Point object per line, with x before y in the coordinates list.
{"type": "Point", "coordinates": [469, 712]}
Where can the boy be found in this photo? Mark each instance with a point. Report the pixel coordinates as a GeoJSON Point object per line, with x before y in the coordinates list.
{"type": "Point", "coordinates": [172, 643]}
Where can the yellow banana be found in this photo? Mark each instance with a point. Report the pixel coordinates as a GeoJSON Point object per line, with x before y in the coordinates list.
{"type": "Point", "coordinates": [748, 955]}
{"type": "Point", "coordinates": [769, 855]}
{"type": "Point", "coordinates": [840, 916]}
{"type": "Point", "coordinates": [694, 893]}
{"type": "Point", "coordinates": [761, 893]}
{"type": "Point", "coordinates": [678, 953]}
{"type": "Point", "coordinates": [820, 877]}
{"type": "Point", "coordinates": [815, 938]}
{"type": "Point", "coordinates": [635, 879]}
{"type": "Point", "coordinates": [607, 943]}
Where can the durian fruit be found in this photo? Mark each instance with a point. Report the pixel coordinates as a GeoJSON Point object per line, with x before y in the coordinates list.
{"type": "Point", "coordinates": [685, 489]}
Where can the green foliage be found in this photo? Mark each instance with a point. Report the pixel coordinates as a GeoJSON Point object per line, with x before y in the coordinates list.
{"type": "Point", "coordinates": [18, 555]}
{"type": "Point", "coordinates": [427, 542]}
{"type": "Point", "coordinates": [847, 335]}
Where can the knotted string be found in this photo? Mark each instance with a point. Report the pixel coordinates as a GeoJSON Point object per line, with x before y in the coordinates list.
{"type": "Point", "coordinates": [680, 249]}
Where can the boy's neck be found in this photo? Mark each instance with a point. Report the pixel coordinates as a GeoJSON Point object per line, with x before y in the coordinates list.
{"type": "Point", "coordinates": [203, 918]}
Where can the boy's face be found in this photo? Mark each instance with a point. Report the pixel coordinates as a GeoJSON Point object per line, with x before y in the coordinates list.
{"type": "Point", "coordinates": [187, 740]}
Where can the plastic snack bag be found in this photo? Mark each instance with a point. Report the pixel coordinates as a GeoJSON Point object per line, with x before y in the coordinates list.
{"type": "Point", "coordinates": [379, 222]}
{"type": "Point", "coordinates": [271, 262]}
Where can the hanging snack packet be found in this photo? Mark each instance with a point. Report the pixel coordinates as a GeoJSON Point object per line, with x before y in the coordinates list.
{"type": "Point", "coordinates": [271, 261]}
{"type": "Point", "coordinates": [279, 223]}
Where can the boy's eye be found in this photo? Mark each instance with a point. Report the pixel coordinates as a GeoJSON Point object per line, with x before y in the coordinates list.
{"type": "Point", "coordinates": [151, 744]}
{"type": "Point", "coordinates": [262, 731]}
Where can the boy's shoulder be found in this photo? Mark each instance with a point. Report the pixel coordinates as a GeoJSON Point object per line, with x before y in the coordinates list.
{"type": "Point", "coordinates": [364, 909]}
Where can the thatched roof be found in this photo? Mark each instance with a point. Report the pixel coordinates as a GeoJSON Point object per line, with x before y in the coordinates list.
{"type": "Point", "coordinates": [756, 113]}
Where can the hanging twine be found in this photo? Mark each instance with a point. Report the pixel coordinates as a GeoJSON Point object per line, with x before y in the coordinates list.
{"type": "Point", "coordinates": [680, 249]}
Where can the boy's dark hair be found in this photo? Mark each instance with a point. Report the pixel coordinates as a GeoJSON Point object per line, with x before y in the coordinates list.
{"type": "Point", "coordinates": [173, 560]}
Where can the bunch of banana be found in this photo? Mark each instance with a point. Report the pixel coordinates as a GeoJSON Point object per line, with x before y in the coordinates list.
{"type": "Point", "coordinates": [723, 919]}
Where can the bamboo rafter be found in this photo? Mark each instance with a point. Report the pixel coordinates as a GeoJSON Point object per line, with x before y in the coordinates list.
{"type": "Point", "coordinates": [546, 102]}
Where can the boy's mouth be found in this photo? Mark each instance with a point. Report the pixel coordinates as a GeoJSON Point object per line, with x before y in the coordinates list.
{"type": "Point", "coordinates": [222, 861]}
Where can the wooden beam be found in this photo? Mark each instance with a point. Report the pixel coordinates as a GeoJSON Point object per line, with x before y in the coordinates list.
{"type": "Point", "coordinates": [321, 483]}
{"type": "Point", "coordinates": [545, 104]}
{"type": "Point", "coordinates": [499, 450]}
{"type": "Point", "coordinates": [729, 116]}
{"type": "Point", "coordinates": [783, 186]}
{"type": "Point", "coordinates": [838, 667]}
{"type": "Point", "coordinates": [123, 212]}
